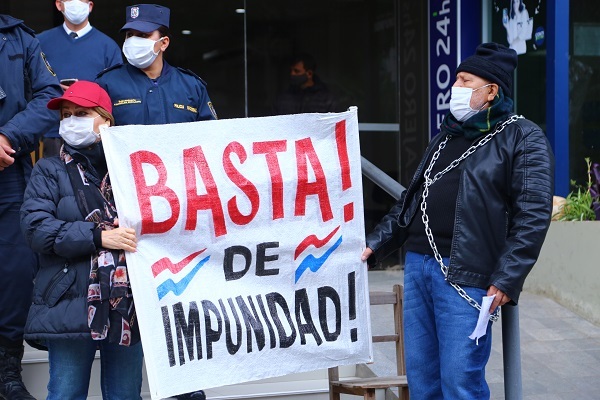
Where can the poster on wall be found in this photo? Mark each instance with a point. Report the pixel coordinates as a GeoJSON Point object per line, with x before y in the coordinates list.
{"type": "Point", "coordinates": [249, 233]}
{"type": "Point", "coordinates": [519, 24]}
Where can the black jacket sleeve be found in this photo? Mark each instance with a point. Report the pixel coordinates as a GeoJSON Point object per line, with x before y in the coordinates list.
{"type": "Point", "coordinates": [531, 200]}
{"type": "Point", "coordinates": [388, 235]}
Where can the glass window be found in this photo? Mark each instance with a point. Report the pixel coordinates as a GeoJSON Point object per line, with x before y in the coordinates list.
{"type": "Point", "coordinates": [521, 25]}
{"type": "Point", "coordinates": [352, 43]}
{"type": "Point", "coordinates": [584, 83]}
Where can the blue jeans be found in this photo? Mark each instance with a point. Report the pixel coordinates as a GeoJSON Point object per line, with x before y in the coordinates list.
{"type": "Point", "coordinates": [71, 363]}
{"type": "Point", "coordinates": [441, 361]}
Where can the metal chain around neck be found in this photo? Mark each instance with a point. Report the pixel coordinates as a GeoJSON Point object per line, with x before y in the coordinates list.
{"type": "Point", "coordinates": [436, 177]}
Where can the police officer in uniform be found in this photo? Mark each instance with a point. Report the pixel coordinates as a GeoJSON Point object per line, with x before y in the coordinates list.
{"type": "Point", "coordinates": [147, 90]}
{"type": "Point", "coordinates": [26, 84]}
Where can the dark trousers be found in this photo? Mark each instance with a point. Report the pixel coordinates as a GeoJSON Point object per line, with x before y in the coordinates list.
{"type": "Point", "coordinates": [18, 265]}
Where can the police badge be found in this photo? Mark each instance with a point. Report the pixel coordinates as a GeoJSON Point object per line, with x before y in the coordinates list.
{"type": "Point", "coordinates": [135, 12]}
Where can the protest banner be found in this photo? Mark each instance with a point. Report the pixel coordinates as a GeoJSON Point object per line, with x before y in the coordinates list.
{"type": "Point", "coordinates": [249, 233]}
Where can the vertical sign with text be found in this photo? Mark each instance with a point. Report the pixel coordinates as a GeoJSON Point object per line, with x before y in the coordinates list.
{"type": "Point", "coordinates": [444, 54]}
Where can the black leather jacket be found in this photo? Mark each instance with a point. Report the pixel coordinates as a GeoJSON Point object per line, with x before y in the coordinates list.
{"type": "Point", "coordinates": [503, 210]}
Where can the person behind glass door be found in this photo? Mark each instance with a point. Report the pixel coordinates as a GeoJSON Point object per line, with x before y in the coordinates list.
{"type": "Point", "coordinates": [475, 216]}
{"type": "Point", "coordinates": [76, 50]}
{"type": "Point", "coordinates": [148, 90]}
{"type": "Point", "coordinates": [82, 298]}
{"type": "Point", "coordinates": [306, 92]}
{"type": "Point", "coordinates": [518, 26]}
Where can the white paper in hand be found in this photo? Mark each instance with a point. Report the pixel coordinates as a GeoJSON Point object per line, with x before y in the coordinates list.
{"type": "Point", "coordinates": [484, 317]}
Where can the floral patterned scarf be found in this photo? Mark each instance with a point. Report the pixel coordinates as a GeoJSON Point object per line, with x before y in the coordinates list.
{"type": "Point", "coordinates": [111, 310]}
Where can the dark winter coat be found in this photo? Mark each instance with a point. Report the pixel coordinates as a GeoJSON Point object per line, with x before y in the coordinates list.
{"type": "Point", "coordinates": [55, 228]}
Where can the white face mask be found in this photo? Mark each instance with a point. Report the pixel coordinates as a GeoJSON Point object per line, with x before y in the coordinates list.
{"type": "Point", "coordinates": [78, 132]}
{"type": "Point", "coordinates": [460, 102]}
{"type": "Point", "coordinates": [76, 11]}
{"type": "Point", "coordinates": [139, 51]}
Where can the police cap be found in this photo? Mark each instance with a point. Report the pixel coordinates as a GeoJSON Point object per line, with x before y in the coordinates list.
{"type": "Point", "coordinates": [146, 17]}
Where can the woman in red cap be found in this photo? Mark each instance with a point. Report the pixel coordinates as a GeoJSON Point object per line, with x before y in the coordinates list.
{"type": "Point", "coordinates": [82, 298]}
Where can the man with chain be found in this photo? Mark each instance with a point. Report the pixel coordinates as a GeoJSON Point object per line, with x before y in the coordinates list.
{"type": "Point", "coordinates": [472, 222]}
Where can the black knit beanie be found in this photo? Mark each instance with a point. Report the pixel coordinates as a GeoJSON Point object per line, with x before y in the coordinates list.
{"type": "Point", "coordinates": [494, 62]}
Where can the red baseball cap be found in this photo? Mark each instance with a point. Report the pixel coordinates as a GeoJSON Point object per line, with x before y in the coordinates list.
{"type": "Point", "coordinates": [84, 94]}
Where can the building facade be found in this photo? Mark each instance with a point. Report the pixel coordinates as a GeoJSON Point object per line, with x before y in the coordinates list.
{"type": "Point", "coordinates": [394, 59]}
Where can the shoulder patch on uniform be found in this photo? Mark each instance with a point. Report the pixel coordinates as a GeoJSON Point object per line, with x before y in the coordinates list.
{"type": "Point", "coordinates": [189, 72]}
{"type": "Point", "coordinates": [212, 109]}
{"type": "Point", "coordinates": [105, 70]}
{"type": "Point", "coordinates": [47, 63]}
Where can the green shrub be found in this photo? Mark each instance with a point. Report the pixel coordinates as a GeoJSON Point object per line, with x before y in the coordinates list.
{"type": "Point", "coordinates": [579, 203]}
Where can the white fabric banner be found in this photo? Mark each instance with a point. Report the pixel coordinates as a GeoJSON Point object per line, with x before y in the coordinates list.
{"type": "Point", "coordinates": [250, 233]}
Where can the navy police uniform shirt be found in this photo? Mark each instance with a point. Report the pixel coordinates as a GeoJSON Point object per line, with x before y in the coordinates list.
{"type": "Point", "coordinates": [27, 83]}
{"type": "Point", "coordinates": [178, 95]}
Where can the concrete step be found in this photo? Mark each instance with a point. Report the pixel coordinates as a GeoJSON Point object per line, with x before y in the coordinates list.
{"type": "Point", "coordinates": [311, 385]}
